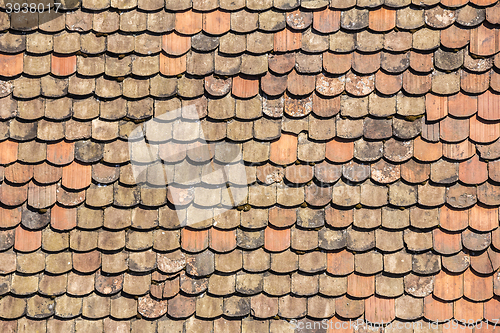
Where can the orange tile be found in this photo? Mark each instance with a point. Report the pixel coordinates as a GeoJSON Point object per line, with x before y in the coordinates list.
{"type": "Point", "coordinates": [339, 151]}
{"type": "Point", "coordinates": [9, 217]}
{"type": "Point", "coordinates": [448, 286]}
{"type": "Point", "coordinates": [461, 105]}
{"type": "Point", "coordinates": [41, 196]}
{"type": "Point", "coordinates": [170, 65]}
{"type": "Point", "coordinates": [456, 328]}
{"type": "Point", "coordinates": [360, 285]}
{"type": "Point", "coordinates": [453, 219]}
{"type": "Point", "coordinates": [76, 176]}
{"type": "Point", "coordinates": [483, 263]}
{"type": "Point", "coordinates": [287, 40]}
{"type": "Point", "coordinates": [284, 150]}
{"type": "Point", "coordinates": [382, 19]}
{"type": "Point", "coordinates": [13, 195]}
{"type": "Point", "coordinates": [455, 37]}
{"type": "Point", "coordinates": [337, 63]}
{"type": "Point", "coordinates": [188, 22]}
{"type": "Point", "coordinates": [282, 217]}
{"type": "Point", "coordinates": [175, 44]}
{"type": "Point", "coordinates": [222, 240]}
{"type": "Point", "coordinates": [273, 85]}
{"type": "Point", "coordinates": [388, 84]}
{"type": "Point", "coordinates": [63, 65]}
{"type": "Point", "coordinates": [454, 3]}
{"type": "Point", "coordinates": [281, 63]}
{"type": "Point", "coordinates": [427, 151]}
{"type": "Point", "coordinates": [473, 171]}
{"type": "Point", "coordinates": [359, 85]}
{"type": "Point", "coordinates": [416, 83]}
{"type": "Point", "coordinates": [422, 61]}
{"type": "Point", "coordinates": [216, 22]}
{"type": "Point", "coordinates": [436, 107]}
{"type": "Point", "coordinates": [483, 131]}
{"type": "Point", "coordinates": [337, 325]}
{"type": "Point", "coordinates": [488, 105]}
{"type": "Point", "coordinates": [326, 21]}
{"type": "Point", "coordinates": [46, 173]}
{"type": "Point", "coordinates": [339, 218]}
{"type": "Point", "coordinates": [365, 63]}
{"type": "Point", "coordinates": [454, 129]}
{"type": "Point", "coordinates": [27, 240]}
{"type": "Point", "coordinates": [325, 106]}
{"type": "Point", "coordinates": [483, 218]}
{"type": "Point", "coordinates": [493, 14]}
{"type": "Point", "coordinates": [61, 153]}
{"type": "Point", "coordinates": [474, 83]}
{"type": "Point", "coordinates": [342, 263]}
{"type": "Point", "coordinates": [11, 64]}
{"type": "Point", "coordinates": [495, 80]}
{"type": "Point", "coordinates": [8, 152]}
{"type": "Point", "coordinates": [459, 151]}
{"type": "Point", "coordinates": [194, 240]}
{"type": "Point", "coordinates": [477, 287]}
{"type": "Point", "coordinates": [483, 41]}
{"type": "Point", "coordinates": [276, 240]}
{"type": "Point", "coordinates": [300, 84]}
{"type": "Point", "coordinates": [446, 242]}
{"type": "Point", "coordinates": [465, 310]}
{"type": "Point", "coordinates": [379, 309]}
{"type": "Point", "coordinates": [415, 172]}
{"type": "Point", "coordinates": [492, 309]}
{"type": "Point", "coordinates": [483, 2]}
{"type": "Point", "coordinates": [62, 218]}
{"type": "Point", "coordinates": [19, 173]}
{"type": "Point", "coordinates": [245, 86]}
{"type": "Point", "coordinates": [435, 309]}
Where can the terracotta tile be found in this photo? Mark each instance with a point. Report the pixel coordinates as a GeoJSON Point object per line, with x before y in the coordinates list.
{"type": "Point", "coordinates": [448, 287]}
{"type": "Point", "coordinates": [19, 173]}
{"type": "Point", "coordinates": [494, 170]}
{"type": "Point", "coordinates": [325, 107]}
{"type": "Point", "coordinates": [476, 84]}
{"type": "Point", "coordinates": [46, 174]}
{"type": "Point", "coordinates": [326, 20]}
{"type": "Point", "coordinates": [382, 19]}
{"type": "Point", "coordinates": [281, 217]}
{"type": "Point", "coordinates": [188, 22]}
{"type": "Point", "coordinates": [477, 287]}
{"type": "Point", "coordinates": [9, 217]}
{"type": "Point", "coordinates": [483, 41]}
{"type": "Point", "coordinates": [459, 151]}
{"type": "Point", "coordinates": [245, 86]}
{"type": "Point", "coordinates": [416, 83]}
{"type": "Point", "coordinates": [222, 240]}
{"type": "Point", "coordinates": [175, 44]}
{"type": "Point", "coordinates": [339, 151]}
{"type": "Point", "coordinates": [483, 218]}
{"type": "Point", "coordinates": [493, 14]}
{"type": "Point", "coordinates": [426, 151]}
{"type": "Point", "coordinates": [453, 129]}
{"type": "Point", "coordinates": [76, 176]}
{"type": "Point", "coordinates": [60, 153]}
{"type": "Point", "coordinates": [341, 263]}
{"type": "Point", "coordinates": [284, 150]}
{"type": "Point", "coordinates": [26, 240]}
{"type": "Point", "coordinates": [415, 172]}
{"type": "Point", "coordinates": [276, 240]}
{"type": "Point", "coordinates": [194, 240]}
{"type": "Point", "coordinates": [454, 37]}
{"type": "Point", "coordinates": [299, 84]}
{"type": "Point", "coordinates": [388, 84]}
{"type": "Point", "coordinates": [41, 197]}
{"type": "Point", "coordinates": [488, 105]}
{"type": "Point", "coordinates": [87, 262]}
{"type": "Point", "coordinates": [378, 309]}
{"type": "Point", "coordinates": [360, 285]}
{"type": "Point", "coordinates": [69, 198]}
{"type": "Point", "coordinates": [434, 309]}
{"type": "Point", "coordinates": [170, 65]}
{"type": "Point", "coordinates": [365, 63]}
{"type": "Point", "coordinates": [483, 131]}
{"type": "Point", "coordinates": [216, 22]}
{"type": "Point", "coordinates": [11, 65]}
{"type": "Point", "coordinates": [62, 218]}
{"type": "Point", "coordinates": [421, 62]}
{"type": "Point", "coordinates": [281, 63]}
{"type": "Point", "coordinates": [473, 171]}
{"type": "Point", "coordinates": [446, 242]}
{"type": "Point", "coordinates": [8, 152]}
{"type": "Point", "coordinates": [492, 309]}
{"type": "Point", "coordinates": [13, 195]}
{"type": "Point", "coordinates": [456, 263]}
{"type": "Point", "coordinates": [337, 63]}
{"type": "Point", "coordinates": [436, 107]}
{"type": "Point", "coordinates": [287, 40]}
{"type": "Point", "coordinates": [63, 65]}
{"type": "Point", "coordinates": [461, 105]}
{"type": "Point", "coordinates": [466, 310]}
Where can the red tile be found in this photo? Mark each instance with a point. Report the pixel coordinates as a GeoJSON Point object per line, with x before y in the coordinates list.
{"type": "Point", "coordinates": [339, 151]}
{"type": "Point", "coordinates": [46, 173]}
{"type": "Point", "coordinates": [282, 217]}
{"type": "Point", "coordinates": [455, 37]}
{"type": "Point", "coordinates": [62, 218]}
{"type": "Point", "coordinates": [483, 41]}
{"type": "Point", "coordinates": [473, 171]}
{"type": "Point", "coordinates": [483, 218]}
{"type": "Point", "coordinates": [27, 240]}
{"type": "Point", "coordinates": [379, 309]}
{"type": "Point", "coordinates": [339, 218]}
{"type": "Point", "coordinates": [453, 219]}
{"type": "Point", "coordinates": [465, 310]}
{"type": "Point", "coordinates": [474, 83]}
{"type": "Point", "coordinates": [171, 65]}
{"type": "Point", "coordinates": [9, 217]}
{"type": "Point", "coordinates": [245, 86]}
{"type": "Point", "coordinates": [337, 63]}
{"type": "Point", "coordinates": [13, 195]}
{"type": "Point", "coordinates": [40, 197]}
{"type": "Point", "coordinates": [360, 285]}
{"type": "Point", "coordinates": [382, 19]}
{"type": "Point", "coordinates": [327, 20]}
{"type": "Point", "coordinates": [461, 105]}
{"type": "Point", "coordinates": [483, 131]}
{"type": "Point", "coordinates": [284, 150]}
{"type": "Point", "coordinates": [276, 240]}
{"type": "Point", "coordinates": [365, 63]}
{"type": "Point", "coordinates": [63, 65]}
{"type": "Point", "coordinates": [175, 44]}
{"type": "Point", "coordinates": [341, 263]}
{"type": "Point", "coordinates": [388, 84]}
{"type": "Point", "coordinates": [222, 240]}
{"type": "Point", "coordinates": [11, 64]}
{"type": "Point", "coordinates": [61, 153]}
{"type": "Point", "coordinates": [436, 107]}
{"type": "Point", "coordinates": [281, 63]}
{"type": "Point", "coordinates": [8, 152]}
{"type": "Point", "coordinates": [188, 22]}
{"type": "Point", "coordinates": [76, 176]}
{"type": "Point", "coordinates": [454, 129]}
{"type": "Point", "coordinates": [448, 286]}
{"type": "Point", "coordinates": [488, 105]}
{"type": "Point", "coordinates": [446, 242]}
{"type": "Point", "coordinates": [427, 151]}
{"type": "Point", "coordinates": [194, 240]}
{"type": "Point", "coordinates": [477, 287]}
{"type": "Point", "coordinates": [19, 173]}
{"type": "Point", "coordinates": [422, 61]}
{"type": "Point", "coordinates": [216, 22]}
{"type": "Point", "coordinates": [287, 40]}
{"type": "Point", "coordinates": [416, 83]}
{"type": "Point", "coordinates": [435, 309]}
{"type": "Point", "coordinates": [492, 309]}
{"type": "Point", "coordinates": [359, 85]}
{"type": "Point", "coordinates": [300, 84]}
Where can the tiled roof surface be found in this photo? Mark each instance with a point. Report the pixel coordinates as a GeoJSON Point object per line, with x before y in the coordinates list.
{"type": "Point", "coordinates": [370, 135]}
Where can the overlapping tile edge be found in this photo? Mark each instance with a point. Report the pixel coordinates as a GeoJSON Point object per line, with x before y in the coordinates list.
{"type": "Point", "coordinates": [370, 135]}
